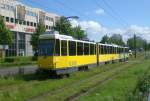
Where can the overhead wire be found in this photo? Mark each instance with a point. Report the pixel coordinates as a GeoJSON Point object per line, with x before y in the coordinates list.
{"type": "Point", "coordinates": [110, 14]}
{"type": "Point", "coordinates": [120, 17]}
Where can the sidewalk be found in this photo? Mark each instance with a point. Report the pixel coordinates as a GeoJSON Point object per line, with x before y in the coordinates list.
{"type": "Point", "coordinates": [18, 70]}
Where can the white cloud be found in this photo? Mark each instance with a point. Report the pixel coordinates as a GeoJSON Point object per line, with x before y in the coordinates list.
{"type": "Point", "coordinates": [99, 11]}
{"type": "Point", "coordinates": [95, 30]}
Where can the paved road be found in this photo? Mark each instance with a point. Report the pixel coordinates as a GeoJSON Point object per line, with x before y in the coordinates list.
{"type": "Point", "coordinates": [18, 70]}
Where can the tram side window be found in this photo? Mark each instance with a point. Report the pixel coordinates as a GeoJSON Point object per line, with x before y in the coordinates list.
{"type": "Point", "coordinates": [57, 48]}
{"type": "Point", "coordinates": [111, 50]}
{"type": "Point", "coordinates": [86, 49]}
{"type": "Point", "coordinates": [64, 48]}
{"type": "Point", "coordinates": [114, 50]}
{"type": "Point", "coordinates": [95, 49]}
{"type": "Point", "coordinates": [123, 50]}
{"type": "Point", "coordinates": [105, 49]}
{"type": "Point", "coordinates": [99, 49]}
{"type": "Point", "coordinates": [72, 48]}
{"type": "Point", "coordinates": [79, 48]}
{"type": "Point", "coordinates": [126, 50]}
{"type": "Point", "coordinates": [119, 50]}
{"type": "Point", "coordinates": [102, 49]}
{"type": "Point", "coordinates": [92, 49]}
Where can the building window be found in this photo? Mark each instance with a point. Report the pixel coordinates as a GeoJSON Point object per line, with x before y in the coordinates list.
{"type": "Point", "coordinates": [35, 24]}
{"type": "Point", "coordinates": [30, 13]}
{"type": "Point", "coordinates": [48, 18]}
{"type": "Point", "coordinates": [31, 23]}
{"type": "Point", "coordinates": [72, 48]}
{"type": "Point", "coordinates": [7, 19]}
{"type": "Point", "coordinates": [28, 23]}
{"type": "Point", "coordinates": [46, 26]}
{"type": "Point", "coordinates": [12, 20]}
{"type": "Point", "coordinates": [24, 22]}
{"type": "Point", "coordinates": [20, 22]}
{"type": "Point", "coordinates": [16, 21]}
{"type": "Point", "coordinates": [64, 48]}
{"type": "Point", "coordinates": [50, 27]}
{"type": "Point", "coordinates": [79, 48]}
{"type": "Point", "coordinates": [7, 7]}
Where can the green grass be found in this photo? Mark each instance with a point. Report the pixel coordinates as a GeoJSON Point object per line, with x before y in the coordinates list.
{"type": "Point", "coordinates": [120, 88]}
{"type": "Point", "coordinates": [22, 88]}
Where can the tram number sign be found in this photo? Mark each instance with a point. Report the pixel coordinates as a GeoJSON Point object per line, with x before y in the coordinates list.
{"type": "Point", "coordinates": [72, 63]}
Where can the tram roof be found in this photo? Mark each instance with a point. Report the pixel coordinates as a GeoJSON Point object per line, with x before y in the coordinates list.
{"type": "Point", "coordinates": [62, 37]}
{"type": "Point", "coordinates": [56, 35]}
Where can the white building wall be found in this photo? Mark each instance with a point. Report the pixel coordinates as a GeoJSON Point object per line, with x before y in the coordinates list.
{"type": "Point", "coordinates": [27, 29]}
{"type": "Point", "coordinates": [29, 51]}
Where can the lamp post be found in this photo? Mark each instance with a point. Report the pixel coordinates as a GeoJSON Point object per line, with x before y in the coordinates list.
{"type": "Point", "coordinates": [72, 17]}
{"type": "Point", "coordinates": [135, 45]}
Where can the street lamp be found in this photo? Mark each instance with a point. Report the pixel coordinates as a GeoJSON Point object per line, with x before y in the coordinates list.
{"type": "Point", "coordinates": [73, 17]}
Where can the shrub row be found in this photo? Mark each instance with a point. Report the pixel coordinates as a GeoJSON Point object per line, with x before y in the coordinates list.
{"type": "Point", "coordinates": [19, 59]}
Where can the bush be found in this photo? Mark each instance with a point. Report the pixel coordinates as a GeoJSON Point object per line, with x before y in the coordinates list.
{"type": "Point", "coordinates": [9, 59]}
{"type": "Point", "coordinates": [19, 59]}
{"type": "Point", "coordinates": [34, 58]}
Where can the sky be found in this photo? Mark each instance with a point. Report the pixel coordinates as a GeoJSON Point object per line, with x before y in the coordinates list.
{"type": "Point", "coordinates": [100, 17]}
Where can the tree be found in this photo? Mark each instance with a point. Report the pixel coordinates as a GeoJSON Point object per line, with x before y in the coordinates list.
{"type": "Point", "coordinates": [5, 36]}
{"type": "Point", "coordinates": [5, 33]}
{"type": "Point", "coordinates": [105, 39]}
{"type": "Point", "coordinates": [117, 39]}
{"type": "Point", "coordinates": [35, 36]}
{"type": "Point", "coordinates": [64, 27]}
{"type": "Point", "coordinates": [140, 42]}
{"type": "Point", "coordinates": [78, 33]}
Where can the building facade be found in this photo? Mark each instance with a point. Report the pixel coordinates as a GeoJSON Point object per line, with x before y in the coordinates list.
{"type": "Point", "coordinates": [22, 20]}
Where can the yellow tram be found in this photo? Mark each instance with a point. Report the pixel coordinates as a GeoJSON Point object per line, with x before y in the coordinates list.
{"type": "Point", "coordinates": [63, 54]}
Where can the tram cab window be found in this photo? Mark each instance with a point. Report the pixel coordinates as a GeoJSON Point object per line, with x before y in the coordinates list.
{"type": "Point", "coordinates": [72, 48]}
{"type": "Point", "coordinates": [92, 49]}
{"type": "Point", "coordinates": [57, 47]}
{"type": "Point", "coordinates": [86, 48]}
{"type": "Point", "coordinates": [64, 48]}
{"type": "Point", "coordinates": [79, 48]}
{"type": "Point", "coordinates": [46, 48]}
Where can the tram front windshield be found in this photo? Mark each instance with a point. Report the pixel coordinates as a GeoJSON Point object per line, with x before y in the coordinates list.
{"type": "Point", "coordinates": [46, 48]}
